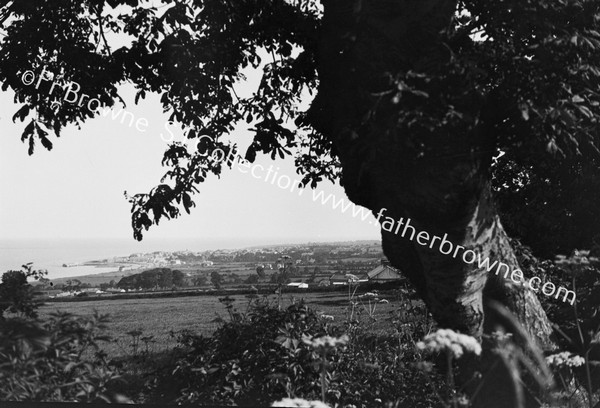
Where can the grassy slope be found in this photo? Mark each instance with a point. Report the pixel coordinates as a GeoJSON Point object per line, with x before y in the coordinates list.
{"type": "Point", "coordinates": [157, 317]}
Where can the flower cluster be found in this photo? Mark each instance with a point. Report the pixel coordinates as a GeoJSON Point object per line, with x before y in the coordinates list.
{"type": "Point", "coordinates": [451, 342]}
{"type": "Point", "coordinates": [566, 358]}
{"type": "Point", "coordinates": [500, 337]}
{"type": "Point", "coordinates": [325, 341]}
{"type": "Point", "coordinates": [299, 403]}
{"type": "Point", "coordinates": [369, 295]}
{"type": "Point", "coordinates": [424, 366]}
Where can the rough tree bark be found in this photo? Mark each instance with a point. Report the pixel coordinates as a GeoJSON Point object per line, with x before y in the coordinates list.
{"type": "Point", "coordinates": [445, 190]}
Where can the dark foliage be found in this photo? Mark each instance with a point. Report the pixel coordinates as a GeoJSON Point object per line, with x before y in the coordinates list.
{"type": "Point", "coordinates": [553, 206]}
{"type": "Point", "coordinates": [281, 278]}
{"type": "Point", "coordinates": [523, 73]}
{"type": "Point", "coordinates": [153, 278]}
{"type": "Point", "coordinates": [216, 279]}
{"type": "Point", "coordinates": [260, 357]}
{"type": "Point", "coordinates": [56, 359]}
{"type": "Point", "coordinates": [18, 296]}
{"type": "Point", "coordinates": [252, 279]}
{"type": "Point", "coordinates": [200, 280]}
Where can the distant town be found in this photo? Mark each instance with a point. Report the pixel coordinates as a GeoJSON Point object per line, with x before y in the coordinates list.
{"type": "Point", "coordinates": [302, 266]}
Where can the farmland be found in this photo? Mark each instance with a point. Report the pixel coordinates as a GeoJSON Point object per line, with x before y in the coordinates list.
{"type": "Point", "coordinates": [158, 317]}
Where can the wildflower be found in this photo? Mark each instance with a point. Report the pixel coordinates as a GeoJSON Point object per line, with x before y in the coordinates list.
{"type": "Point", "coordinates": [325, 341]}
{"type": "Point", "coordinates": [368, 295]}
{"type": "Point", "coordinates": [500, 337]}
{"type": "Point", "coordinates": [326, 317]}
{"type": "Point", "coordinates": [424, 366]}
{"type": "Point", "coordinates": [463, 401]}
{"type": "Point", "coordinates": [299, 403]}
{"type": "Point", "coordinates": [451, 342]}
{"type": "Point", "coordinates": [566, 358]}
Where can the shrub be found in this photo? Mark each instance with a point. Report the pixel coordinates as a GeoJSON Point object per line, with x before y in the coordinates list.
{"type": "Point", "coordinates": [269, 354]}
{"type": "Point", "coordinates": [16, 295]}
{"type": "Point", "coordinates": [55, 360]}
{"type": "Point", "coordinates": [246, 361]}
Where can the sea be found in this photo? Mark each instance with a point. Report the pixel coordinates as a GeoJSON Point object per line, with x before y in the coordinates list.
{"type": "Point", "coordinates": [51, 254]}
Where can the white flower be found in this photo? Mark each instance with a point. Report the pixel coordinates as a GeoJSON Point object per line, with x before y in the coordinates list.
{"type": "Point", "coordinates": [325, 341]}
{"type": "Point", "coordinates": [566, 358]}
{"type": "Point", "coordinates": [449, 341]}
{"type": "Point", "coordinates": [500, 337]}
{"type": "Point", "coordinates": [299, 403]}
{"type": "Point", "coordinates": [424, 366]}
{"type": "Point", "coordinates": [369, 296]}
{"type": "Point", "coordinates": [463, 401]}
{"type": "Point", "coordinates": [326, 317]}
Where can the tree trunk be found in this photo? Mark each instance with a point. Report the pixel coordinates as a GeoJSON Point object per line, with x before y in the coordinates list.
{"type": "Point", "coordinates": [443, 187]}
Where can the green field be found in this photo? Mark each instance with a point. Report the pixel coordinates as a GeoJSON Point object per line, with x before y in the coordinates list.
{"type": "Point", "coordinates": [158, 317]}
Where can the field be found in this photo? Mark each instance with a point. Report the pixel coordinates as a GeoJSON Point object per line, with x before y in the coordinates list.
{"type": "Point", "coordinates": [158, 317]}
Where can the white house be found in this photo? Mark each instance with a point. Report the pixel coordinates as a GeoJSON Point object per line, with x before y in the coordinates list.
{"type": "Point", "coordinates": [300, 285]}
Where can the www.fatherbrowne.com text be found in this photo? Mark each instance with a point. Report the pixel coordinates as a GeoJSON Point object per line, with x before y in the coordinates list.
{"type": "Point", "coordinates": [469, 256]}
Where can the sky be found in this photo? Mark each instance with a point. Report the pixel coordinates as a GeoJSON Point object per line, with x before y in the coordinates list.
{"type": "Point", "coordinates": [76, 190]}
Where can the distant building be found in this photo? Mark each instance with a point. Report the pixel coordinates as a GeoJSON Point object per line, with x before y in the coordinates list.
{"type": "Point", "coordinates": [344, 279]}
{"type": "Point", "coordinates": [384, 273]}
{"type": "Point", "coordinates": [381, 273]}
{"type": "Point", "coordinates": [300, 285]}
{"type": "Point", "coordinates": [338, 279]}
{"type": "Point", "coordinates": [115, 290]}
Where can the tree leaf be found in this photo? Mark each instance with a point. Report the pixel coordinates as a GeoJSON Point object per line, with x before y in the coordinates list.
{"type": "Point", "coordinates": [21, 113]}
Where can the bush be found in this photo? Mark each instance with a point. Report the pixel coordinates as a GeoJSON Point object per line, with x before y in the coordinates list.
{"type": "Point", "coordinates": [252, 279]}
{"type": "Point", "coordinates": [268, 354]}
{"type": "Point", "coordinates": [242, 362]}
{"type": "Point", "coordinates": [16, 295]}
{"type": "Point", "coordinates": [55, 360]}
{"type": "Point", "coordinates": [58, 359]}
